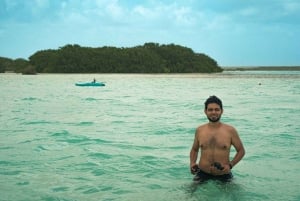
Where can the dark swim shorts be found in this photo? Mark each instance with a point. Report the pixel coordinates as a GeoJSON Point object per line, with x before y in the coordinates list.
{"type": "Point", "coordinates": [202, 176]}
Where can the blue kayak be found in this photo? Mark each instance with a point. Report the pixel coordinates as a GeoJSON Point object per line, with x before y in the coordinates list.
{"type": "Point", "coordinates": [90, 84]}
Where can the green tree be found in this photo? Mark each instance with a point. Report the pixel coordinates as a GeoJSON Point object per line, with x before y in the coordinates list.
{"type": "Point", "coordinates": [149, 58]}
{"type": "Point", "coordinates": [5, 64]}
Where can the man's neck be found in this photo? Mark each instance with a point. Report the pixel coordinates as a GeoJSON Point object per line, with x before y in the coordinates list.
{"type": "Point", "coordinates": [214, 124]}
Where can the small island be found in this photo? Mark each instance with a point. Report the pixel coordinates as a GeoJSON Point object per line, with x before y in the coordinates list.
{"type": "Point", "coordinates": [148, 58]}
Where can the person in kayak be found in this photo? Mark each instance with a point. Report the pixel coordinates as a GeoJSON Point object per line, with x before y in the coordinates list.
{"type": "Point", "coordinates": [214, 140]}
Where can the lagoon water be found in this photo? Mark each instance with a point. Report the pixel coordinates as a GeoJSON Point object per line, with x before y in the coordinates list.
{"type": "Point", "coordinates": [130, 140]}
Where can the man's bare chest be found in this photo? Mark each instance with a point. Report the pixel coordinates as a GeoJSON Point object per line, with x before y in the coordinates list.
{"type": "Point", "coordinates": [214, 141]}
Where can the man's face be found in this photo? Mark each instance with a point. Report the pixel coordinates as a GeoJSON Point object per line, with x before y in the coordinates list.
{"type": "Point", "coordinates": [213, 112]}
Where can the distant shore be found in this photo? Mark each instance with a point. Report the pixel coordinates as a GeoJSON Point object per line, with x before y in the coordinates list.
{"type": "Point", "coordinates": [262, 68]}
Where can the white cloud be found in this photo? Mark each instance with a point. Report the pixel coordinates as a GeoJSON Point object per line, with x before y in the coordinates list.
{"type": "Point", "coordinates": [248, 12]}
{"type": "Point", "coordinates": [184, 16]}
{"type": "Point", "coordinates": [114, 9]}
{"type": "Point", "coordinates": [167, 15]}
{"type": "Point", "coordinates": [291, 7]}
{"type": "Point", "coordinates": [143, 12]}
{"type": "Point", "coordinates": [41, 3]}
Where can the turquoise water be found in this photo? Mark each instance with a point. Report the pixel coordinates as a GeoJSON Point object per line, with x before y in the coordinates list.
{"type": "Point", "coordinates": [130, 140]}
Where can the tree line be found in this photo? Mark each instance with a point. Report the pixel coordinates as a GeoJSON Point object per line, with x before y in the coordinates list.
{"type": "Point", "coordinates": [148, 58]}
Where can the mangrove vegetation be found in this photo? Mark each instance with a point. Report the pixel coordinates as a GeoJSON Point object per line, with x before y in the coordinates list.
{"type": "Point", "coordinates": [148, 58]}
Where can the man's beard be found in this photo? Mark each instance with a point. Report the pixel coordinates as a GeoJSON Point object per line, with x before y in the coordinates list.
{"type": "Point", "coordinates": [214, 119]}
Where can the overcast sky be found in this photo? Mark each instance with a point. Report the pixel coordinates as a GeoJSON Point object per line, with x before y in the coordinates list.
{"type": "Point", "coordinates": [233, 32]}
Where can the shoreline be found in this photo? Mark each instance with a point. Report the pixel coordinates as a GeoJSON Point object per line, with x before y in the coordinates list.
{"type": "Point", "coordinates": [225, 68]}
{"type": "Point", "coordinates": [261, 68]}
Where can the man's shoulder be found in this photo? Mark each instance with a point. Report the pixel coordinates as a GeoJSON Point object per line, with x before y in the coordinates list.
{"type": "Point", "coordinates": [202, 126]}
{"type": "Point", "coordinates": [229, 127]}
{"type": "Point", "coordinates": [201, 129]}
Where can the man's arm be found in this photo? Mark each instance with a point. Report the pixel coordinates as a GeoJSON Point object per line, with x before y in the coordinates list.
{"type": "Point", "coordinates": [239, 147]}
{"type": "Point", "coordinates": [194, 154]}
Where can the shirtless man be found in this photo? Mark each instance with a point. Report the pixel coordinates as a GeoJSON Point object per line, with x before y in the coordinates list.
{"type": "Point", "coordinates": [214, 140]}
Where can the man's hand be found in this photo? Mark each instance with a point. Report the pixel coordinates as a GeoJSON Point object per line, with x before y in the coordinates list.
{"type": "Point", "coordinates": [194, 168]}
{"type": "Point", "coordinates": [218, 166]}
{"type": "Point", "coordinates": [221, 167]}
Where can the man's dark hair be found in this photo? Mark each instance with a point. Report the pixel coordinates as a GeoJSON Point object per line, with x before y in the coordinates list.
{"type": "Point", "coordinates": [213, 99]}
